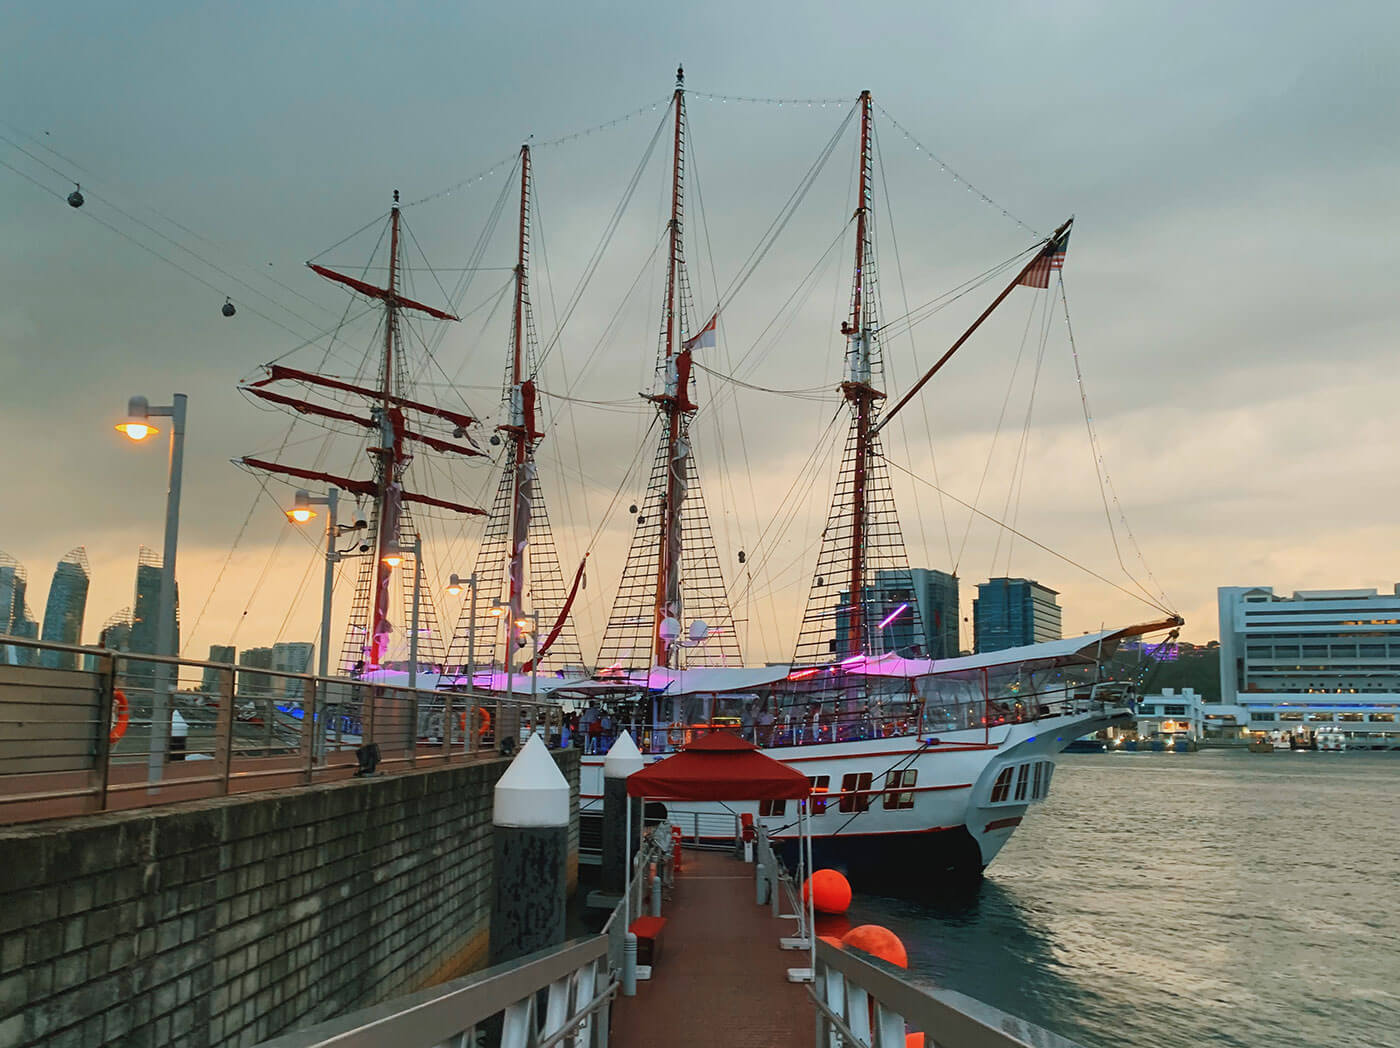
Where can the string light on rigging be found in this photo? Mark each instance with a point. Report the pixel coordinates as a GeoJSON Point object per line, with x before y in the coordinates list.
{"type": "Point", "coordinates": [75, 198]}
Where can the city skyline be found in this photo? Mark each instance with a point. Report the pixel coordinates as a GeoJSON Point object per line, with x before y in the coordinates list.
{"type": "Point", "coordinates": [1213, 409]}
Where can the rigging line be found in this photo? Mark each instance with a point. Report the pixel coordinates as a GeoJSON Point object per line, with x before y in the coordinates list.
{"type": "Point", "coordinates": [484, 173]}
{"type": "Point", "coordinates": [177, 245]}
{"type": "Point", "coordinates": [936, 305]}
{"type": "Point", "coordinates": [943, 166]}
{"type": "Point", "coordinates": [1102, 477]}
{"type": "Point", "coordinates": [784, 216]}
{"type": "Point", "coordinates": [642, 447]}
{"type": "Point", "coordinates": [900, 765]}
{"type": "Point", "coordinates": [495, 303]}
{"type": "Point", "coordinates": [914, 351]}
{"type": "Point", "coordinates": [426, 263]}
{"type": "Point", "coordinates": [786, 508]}
{"type": "Point", "coordinates": [710, 96]}
{"type": "Point", "coordinates": [1039, 545]}
{"type": "Point", "coordinates": [152, 251]}
{"type": "Point", "coordinates": [97, 196]}
{"type": "Point", "coordinates": [1018, 462]}
{"type": "Point", "coordinates": [609, 230]}
{"type": "Point", "coordinates": [808, 393]}
{"type": "Point", "coordinates": [996, 434]}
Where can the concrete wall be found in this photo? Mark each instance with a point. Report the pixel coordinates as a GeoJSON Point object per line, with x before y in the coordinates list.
{"type": "Point", "coordinates": [230, 920]}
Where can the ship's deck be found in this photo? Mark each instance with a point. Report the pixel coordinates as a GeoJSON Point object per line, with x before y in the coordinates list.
{"type": "Point", "coordinates": [720, 977]}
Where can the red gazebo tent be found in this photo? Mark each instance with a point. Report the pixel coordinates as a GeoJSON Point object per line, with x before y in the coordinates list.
{"type": "Point", "coordinates": [720, 766]}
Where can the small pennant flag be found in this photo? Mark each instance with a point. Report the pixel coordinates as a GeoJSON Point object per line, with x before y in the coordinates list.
{"type": "Point", "coordinates": [1052, 256]}
{"type": "Point", "coordinates": [704, 338]}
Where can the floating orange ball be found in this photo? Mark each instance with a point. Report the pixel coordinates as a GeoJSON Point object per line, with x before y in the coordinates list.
{"type": "Point", "coordinates": [877, 941]}
{"type": "Point", "coordinates": [831, 892]}
{"type": "Point", "coordinates": [913, 1040]}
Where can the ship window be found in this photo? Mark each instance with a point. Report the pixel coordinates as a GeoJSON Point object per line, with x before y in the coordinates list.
{"type": "Point", "coordinates": [1049, 771]}
{"type": "Point", "coordinates": [854, 791]}
{"type": "Point", "coordinates": [772, 807]}
{"type": "Point", "coordinates": [1023, 776]}
{"type": "Point", "coordinates": [1001, 789]}
{"type": "Point", "coordinates": [821, 785]}
{"type": "Point", "coordinates": [894, 799]}
{"type": "Point", "coordinates": [1261, 715]}
{"type": "Point", "coordinates": [1383, 717]}
{"type": "Point", "coordinates": [1035, 788]}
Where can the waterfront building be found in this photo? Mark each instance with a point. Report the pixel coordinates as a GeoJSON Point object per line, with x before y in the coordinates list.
{"type": "Point", "coordinates": [1009, 613]}
{"type": "Point", "coordinates": [223, 653]}
{"type": "Point", "coordinates": [116, 631]}
{"type": "Point", "coordinates": [145, 630]}
{"type": "Point", "coordinates": [937, 595]}
{"type": "Point", "coordinates": [15, 617]}
{"type": "Point", "coordinates": [1317, 657]}
{"type": "Point", "coordinates": [255, 685]}
{"type": "Point", "coordinates": [291, 657]}
{"type": "Point", "coordinates": [1173, 713]}
{"type": "Point", "coordinates": [63, 611]}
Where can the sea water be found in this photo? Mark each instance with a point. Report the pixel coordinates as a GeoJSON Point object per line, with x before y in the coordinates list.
{"type": "Point", "coordinates": [1161, 900]}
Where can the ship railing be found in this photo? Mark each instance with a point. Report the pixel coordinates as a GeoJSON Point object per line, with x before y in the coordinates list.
{"type": "Point", "coordinates": [559, 996]}
{"type": "Point", "coordinates": [91, 729]}
{"type": "Point", "coordinates": [862, 1003]}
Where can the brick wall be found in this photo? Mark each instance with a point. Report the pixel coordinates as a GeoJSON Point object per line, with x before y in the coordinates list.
{"type": "Point", "coordinates": [231, 920]}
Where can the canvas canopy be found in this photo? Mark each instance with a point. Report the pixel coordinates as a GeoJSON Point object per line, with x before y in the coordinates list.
{"type": "Point", "coordinates": [719, 766]}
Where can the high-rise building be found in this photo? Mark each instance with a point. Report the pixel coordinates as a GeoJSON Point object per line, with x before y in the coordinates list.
{"type": "Point", "coordinates": [937, 596]}
{"type": "Point", "coordinates": [255, 685]}
{"type": "Point", "coordinates": [222, 653]}
{"type": "Point", "coordinates": [291, 657]}
{"type": "Point", "coordinates": [145, 613]}
{"type": "Point", "coordinates": [116, 631]}
{"type": "Point", "coordinates": [15, 616]}
{"type": "Point", "coordinates": [63, 612]}
{"type": "Point", "coordinates": [1009, 613]}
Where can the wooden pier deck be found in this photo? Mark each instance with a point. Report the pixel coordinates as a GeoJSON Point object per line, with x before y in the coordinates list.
{"type": "Point", "coordinates": [720, 977]}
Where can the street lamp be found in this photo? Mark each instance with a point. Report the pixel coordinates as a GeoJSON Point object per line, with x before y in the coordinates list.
{"type": "Point", "coordinates": [300, 513]}
{"type": "Point", "coordinates": [454, 587]}
{"type": "Point", "coordinates": [532, 619]}
{"type": "Point", "coordinates": [393, 556]}
{"type": "Point", "coordinates": [138, 427]}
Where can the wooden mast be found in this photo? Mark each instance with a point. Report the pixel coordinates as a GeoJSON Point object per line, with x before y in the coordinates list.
{"type": "Point", "coordinates": [389, 455]}
{"type": "Point", "coordinates": [521, 429]}
{"type": "Point", "coordinates": [858, 390]}
{"type": "Point", "coordinates": [667, 602]}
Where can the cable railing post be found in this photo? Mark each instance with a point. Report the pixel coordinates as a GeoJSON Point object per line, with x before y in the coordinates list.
{"type": "Point", "coordinates": [223, 732]}
{"type": "Point", "coordinates": [102, 760]}
{"type": "Point", "coordinates": [446, 727]}
{"type": "Point", "coordinates": [309, 708]}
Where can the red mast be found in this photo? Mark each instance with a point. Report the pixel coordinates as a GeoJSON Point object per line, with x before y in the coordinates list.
{"type": "Point", "coordinates": [522, 428]}
{"type": "Point", "coordinates": [675, 401]}
{"type": "Point", "coordinates": [860, 394]}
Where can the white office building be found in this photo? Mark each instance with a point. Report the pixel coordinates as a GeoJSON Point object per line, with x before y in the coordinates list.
{"type": "Point", "coordinates": [1317, 657]}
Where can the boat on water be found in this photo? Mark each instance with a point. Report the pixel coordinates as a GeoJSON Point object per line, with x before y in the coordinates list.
{"type": "Point", "coordinates": [921, 765]}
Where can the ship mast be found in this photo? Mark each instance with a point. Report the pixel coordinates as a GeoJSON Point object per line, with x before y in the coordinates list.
{"type": "Point", "coordinates": [388, 459]}
{"type": "Point", "coordinates": [859, 393]}
{"type": "Point", "coordinates": [673, 403]}
{"type": "Point", "coordinates": [519, 528]}
{"type": "Point", "coordinates": [673, 566]}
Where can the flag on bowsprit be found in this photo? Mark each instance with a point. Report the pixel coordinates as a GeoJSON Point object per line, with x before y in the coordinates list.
{"type": "Point", "coordinates": [704, 338]}
{"type": "Point", "coordinates": [1052, 256]}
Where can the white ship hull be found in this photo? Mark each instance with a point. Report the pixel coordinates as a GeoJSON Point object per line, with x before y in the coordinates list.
{"type": "Point", "coordinates": [970, 791]}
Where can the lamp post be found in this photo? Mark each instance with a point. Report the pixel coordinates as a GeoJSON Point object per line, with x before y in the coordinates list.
{"type": "Point", "coordinates": [454, 587]}
{"type": "Point", "coordinates": [533, 619]}
{"type": "Point", "coordinates": [137, 426]}
{"type": "Point", "coordinates": [394, 557]}
{"type": "Point", "coordinates": [300, 513]}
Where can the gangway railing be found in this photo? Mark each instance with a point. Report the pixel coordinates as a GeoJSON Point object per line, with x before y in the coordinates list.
{"type": "Point", "coordinates": [498, 1006]}
{"type": "Point", "coordinates": [77, 732]}
{"type": "Point", "coordinates": [864, 1005]}
{"type": "Point", "coordinates": [861, 1005]}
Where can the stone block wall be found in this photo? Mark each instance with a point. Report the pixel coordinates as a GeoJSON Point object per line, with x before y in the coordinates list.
{"type": "Point", "coordinates": [228, 921]}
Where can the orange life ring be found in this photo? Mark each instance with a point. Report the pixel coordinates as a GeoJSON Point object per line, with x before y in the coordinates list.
{"type": "Point", "coordinates": [121, 710]}
{"type": "Point", "coordinates": [483, 718]}
{"type": "Point", "coordinates": [675, 735]}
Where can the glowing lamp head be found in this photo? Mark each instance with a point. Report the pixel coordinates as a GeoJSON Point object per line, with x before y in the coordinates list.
{"type": "Point", "coordinates": [496, 611]}
{"type": "Point", "coordinates": [137, 431]}
{"type": "Point", "coordinates": [300, 514]}
{"type": "Point", "coordinates": [393, 558]}
{"type": "Point", "coordinates": [523, 625]}
{"type": "Point", "coordinates": [454, 585]}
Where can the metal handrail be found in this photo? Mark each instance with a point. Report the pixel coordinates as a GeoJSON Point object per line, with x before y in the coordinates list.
{"type": "Point", "coordinates": [579, 994]}
{"type": "Point", "coordinates": [861, 1005]}
{"type": "Point", "coordinates": [286, 729]}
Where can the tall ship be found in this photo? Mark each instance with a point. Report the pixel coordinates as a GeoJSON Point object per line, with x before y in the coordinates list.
{"type": "Point", "coordinates": [922, 763]}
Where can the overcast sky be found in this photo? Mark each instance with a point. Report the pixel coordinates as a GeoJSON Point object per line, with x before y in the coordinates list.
{"type": "Point", "coordinates": [1232, 167]}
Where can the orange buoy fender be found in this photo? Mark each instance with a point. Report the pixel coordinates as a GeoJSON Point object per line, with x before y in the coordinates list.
{"type": "Point", "coordinates": [121, 717]}
{"type": "Point", "coordinates": [877, 941]}
{"type": "Point", "coordinates": [913, 1040]}
{"type": "Point", "coordinates": [831, 892]}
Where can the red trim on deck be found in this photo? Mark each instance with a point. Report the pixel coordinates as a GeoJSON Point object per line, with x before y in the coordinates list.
{"type": "Point", "coordinates": [1002, 824]}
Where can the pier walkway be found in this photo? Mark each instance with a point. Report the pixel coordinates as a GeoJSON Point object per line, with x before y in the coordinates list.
{"type": "Point", "coordinates": [720, 977]}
